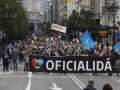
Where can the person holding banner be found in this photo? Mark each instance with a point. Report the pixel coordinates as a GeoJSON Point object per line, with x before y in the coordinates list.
{"type": "Point", "coordinates": [96, 53]}
{"type": "Point", "coordinates": [26, 67]}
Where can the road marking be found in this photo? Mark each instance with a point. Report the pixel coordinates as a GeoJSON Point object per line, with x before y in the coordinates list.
{"type": "Point", "coordinates": [6, 72]}
{"type": "Point", "coordinates": [35, 77]}
{"type": "Point", "coordinates": [91, 75]}
{"type": "Point", "coordinates": [55, 87]}
{"type": "Point", "coordinates": [29, 82]}
{"type": "Point", "coordinates": [78, 80]}
{"type": "Point", "coordinates": [75, 82]}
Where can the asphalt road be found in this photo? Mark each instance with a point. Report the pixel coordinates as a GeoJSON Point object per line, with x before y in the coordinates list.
{"type": "Point", "coordinates": [18, 80]}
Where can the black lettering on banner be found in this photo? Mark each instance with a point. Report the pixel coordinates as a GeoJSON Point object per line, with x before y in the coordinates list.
{"type": "Point", "coordinates": [75, 64]}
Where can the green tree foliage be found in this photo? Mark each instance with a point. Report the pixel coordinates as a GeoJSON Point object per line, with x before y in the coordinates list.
{"type": "Point", "coordinates": [87, 21]}
{"type": "Point", "coordinates": [81, 21]}
{"type": "Point", "coordinates": [63, 22]}
{"type": "Point", "coordinates": [13, 19]}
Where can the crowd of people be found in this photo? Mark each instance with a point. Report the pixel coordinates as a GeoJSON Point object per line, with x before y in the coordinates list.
{"type": "Point", "coordinates": [19, 52]}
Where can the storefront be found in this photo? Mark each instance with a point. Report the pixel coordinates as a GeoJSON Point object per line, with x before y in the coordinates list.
{"type": "Point", "coordinates": [107, 34]}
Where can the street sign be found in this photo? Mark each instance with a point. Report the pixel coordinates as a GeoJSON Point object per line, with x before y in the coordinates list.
{"type": "Point", "coordinates": [103, 33]}
{"type": "Point", "coordinates": [58, 28]}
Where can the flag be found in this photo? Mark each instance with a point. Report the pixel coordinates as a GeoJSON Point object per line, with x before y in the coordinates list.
{"type": "Point", "coordinates": [69, 1]}
{"type": "Point", "coordinates": [117, 48]}
{"type": "Point", "coordinates": [87, 41]}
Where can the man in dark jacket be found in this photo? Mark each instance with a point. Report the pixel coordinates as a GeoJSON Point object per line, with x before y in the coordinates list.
{"type": "Point", "coordinates": [5, 62]}
{"type": "Point", "coordinates": [107, 87]}
{"type": "Point", "coordinates": [90, 86]}
{"type": "Point", "coordinates": [14, 59]}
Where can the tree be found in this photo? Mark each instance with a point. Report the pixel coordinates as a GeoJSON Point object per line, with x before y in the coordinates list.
{"type": "Point", "coordinates": [87, 21]}
{"type": "Point", "coordinates": [72, 24]}
{"type": "Point", "coordinates": [13, 19]}
{"type": "Point", "coordinates": [79, 22]}
{"type": "Point", "coordinates": [63, 22]}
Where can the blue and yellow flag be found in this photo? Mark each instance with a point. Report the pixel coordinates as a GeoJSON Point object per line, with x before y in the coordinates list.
{"type": "Point", "coordinates": [117, 48]}
{"type": "Point", "coordinates": [87, 41]}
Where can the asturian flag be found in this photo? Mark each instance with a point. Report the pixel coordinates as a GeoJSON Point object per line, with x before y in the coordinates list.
{"type": "Point", "coordinates": [87, 41]}
{"type": "Point", "coordinates": [117, 48]}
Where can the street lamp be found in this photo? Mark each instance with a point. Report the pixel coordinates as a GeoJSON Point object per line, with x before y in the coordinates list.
{"type": "Point", "coordinates": [111, 8]}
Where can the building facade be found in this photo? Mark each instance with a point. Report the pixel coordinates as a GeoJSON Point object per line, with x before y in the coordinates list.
{"type": "Point", "coordinates": [62, 9]}
{"type": "Point", "coordinates": [35, 9]}
{"type": "Point", "coordinates": [109, 15]}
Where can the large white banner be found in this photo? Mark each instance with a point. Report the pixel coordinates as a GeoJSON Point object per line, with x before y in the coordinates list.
{"type": "Point", "coordinates": [58, 28]}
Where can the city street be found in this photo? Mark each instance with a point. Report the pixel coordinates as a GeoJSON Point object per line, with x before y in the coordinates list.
{"type": "Point", "coordinates": [59, 44]}
{"type": "Point", "coordinates": [18, 80]}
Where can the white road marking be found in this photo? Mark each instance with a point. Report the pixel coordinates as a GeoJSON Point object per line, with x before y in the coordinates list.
{"type": "Point", "coordinates": [55, 87]}
{"type": "Point", "coordinates": [78, 80]}
{"type": "Point", "coordinates": [75, 82]}
{"type": "Point", "coordinates": [35, 77]}
{"type": "Point", "coordinates": [6, 72]}
{"type": "Point", "coordinates": [29, 82]}
{"type": "Point", "coordinates": [91, 75]}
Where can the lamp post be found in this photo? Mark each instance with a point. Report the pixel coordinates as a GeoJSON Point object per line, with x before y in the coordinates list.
{"type": "Point", "coordinates": [111, 8]}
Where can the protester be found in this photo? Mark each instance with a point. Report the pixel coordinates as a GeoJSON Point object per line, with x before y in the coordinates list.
{"type": "Point", "coordinates": [5, 62]}
{"type": "Point", "coordinates": [14, 58]}
{"type": "Point", "coordinates": [26, 67]}
{"type": "Point", "coordinates": [21, 57]}
{"type": "Point", "coordinates": [107, 87]}
{"type": "Point", "coordinates": [90, 86]}
{"type": "Point", "coordinates": [56, 47]}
